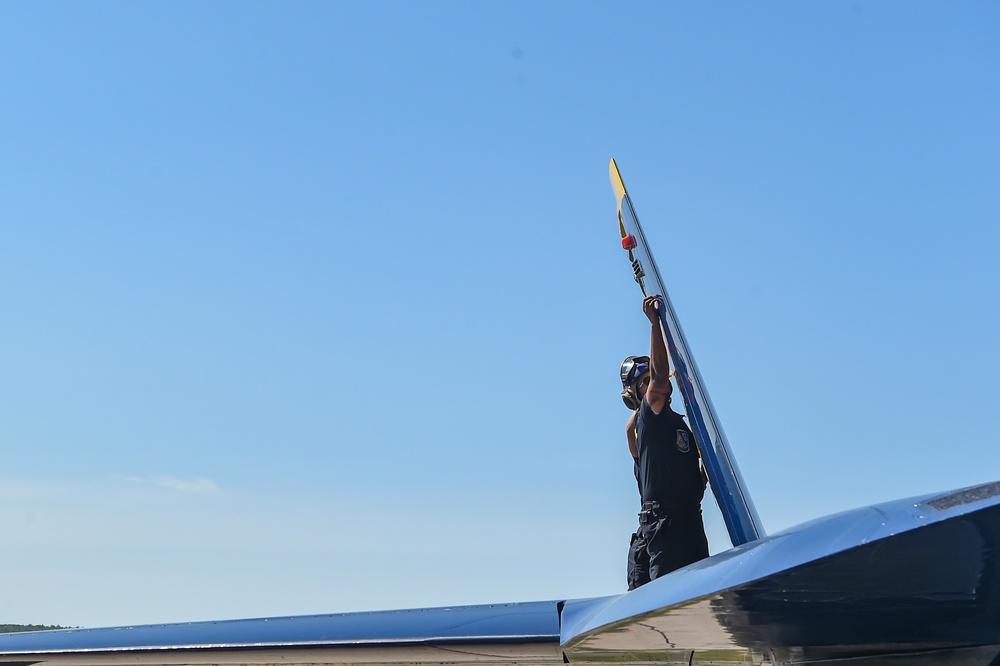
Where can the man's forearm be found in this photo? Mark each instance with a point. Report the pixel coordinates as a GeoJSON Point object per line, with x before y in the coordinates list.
{"type": "Point", "coordinates": [658, 358]}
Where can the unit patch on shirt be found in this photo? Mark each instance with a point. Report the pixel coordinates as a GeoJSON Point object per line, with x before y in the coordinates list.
{"type": "Point", "coordinates": [683, 443]}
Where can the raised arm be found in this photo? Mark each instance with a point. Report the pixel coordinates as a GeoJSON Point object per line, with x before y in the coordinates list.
{"type": "Point", "coordinates": [660, 388]}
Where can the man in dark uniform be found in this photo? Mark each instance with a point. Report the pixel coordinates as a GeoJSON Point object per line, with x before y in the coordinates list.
{"type": "Point", "coordinates": [671, 481]}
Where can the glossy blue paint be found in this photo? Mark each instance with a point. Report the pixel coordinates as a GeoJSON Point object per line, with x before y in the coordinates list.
{"type": "Point", "coordinates": [498, 623]}
{"type": "Point", "coordinates": [911, 581]}
{"type": "Point", "coordinates": [915, 576]}
{"type": "Point", "coordinates": [728, 487]}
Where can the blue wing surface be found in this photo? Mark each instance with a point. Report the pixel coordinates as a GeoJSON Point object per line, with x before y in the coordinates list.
{"type": "Point", "coordinates": [914, 581]}
{"type": "Point", "coordinates": [498, 633]}
{"type": "Point", "coordinates": [728, 487]}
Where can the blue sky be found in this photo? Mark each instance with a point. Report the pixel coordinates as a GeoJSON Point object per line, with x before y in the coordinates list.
{"type": "Point", "coordinates": [319, 307]}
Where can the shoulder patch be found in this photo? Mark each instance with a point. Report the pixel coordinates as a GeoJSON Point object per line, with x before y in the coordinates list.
{"type": "Point", "coordinates": [683, 440]}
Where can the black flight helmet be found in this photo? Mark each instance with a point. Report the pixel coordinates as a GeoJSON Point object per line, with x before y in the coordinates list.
{"type": "Point", "coordinates": [632, 369]}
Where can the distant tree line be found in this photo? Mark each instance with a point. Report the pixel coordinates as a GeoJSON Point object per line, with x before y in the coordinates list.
{"type": "Point", "coordinates": [13, 628]}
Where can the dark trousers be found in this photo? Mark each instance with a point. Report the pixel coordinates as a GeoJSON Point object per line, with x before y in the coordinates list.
{"type": "Point", "coordinates": [674, 541]}
{"type": "Point", "coordinates": [638, 561]}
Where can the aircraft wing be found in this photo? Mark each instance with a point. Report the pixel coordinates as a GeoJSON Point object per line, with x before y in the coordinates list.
{"type": "Point", "coordinates": [914, 582]}
{"type": "Point", "coordinates": [523, 633]}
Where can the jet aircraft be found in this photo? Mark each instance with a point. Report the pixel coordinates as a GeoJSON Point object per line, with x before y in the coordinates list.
{"type": "Point", "coordinates": [915, 581]}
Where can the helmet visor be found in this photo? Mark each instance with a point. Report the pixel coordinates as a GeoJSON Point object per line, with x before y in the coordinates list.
{"type": "Point", "coordinates": [638, 371]}
{"type": "Point", "coordinates": [633, 368]}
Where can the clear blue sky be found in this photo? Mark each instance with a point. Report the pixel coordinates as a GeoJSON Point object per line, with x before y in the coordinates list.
{"type": "Point", "coordinates": [319, 307]}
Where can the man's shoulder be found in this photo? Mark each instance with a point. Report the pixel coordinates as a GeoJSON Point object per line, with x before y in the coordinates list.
{"type": "Point", "coordinates": [666, 411]}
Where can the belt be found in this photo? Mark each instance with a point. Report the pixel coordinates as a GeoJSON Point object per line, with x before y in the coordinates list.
{"type": "Point", "coordinates": [650, 513]}
{"type": "Point", "coordinates": [653, 511]}
{"type": "Point", "coordinates": [647, 518]}
{"type": "Point", "coordinates": [671, 507]}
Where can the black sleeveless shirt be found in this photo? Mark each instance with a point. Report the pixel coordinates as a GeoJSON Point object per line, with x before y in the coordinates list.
{"type": "Point", "coordinates": [669, 472]}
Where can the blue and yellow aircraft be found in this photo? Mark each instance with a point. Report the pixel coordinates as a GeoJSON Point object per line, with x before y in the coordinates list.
{"type": "Point", "coordinates": [915, 581]}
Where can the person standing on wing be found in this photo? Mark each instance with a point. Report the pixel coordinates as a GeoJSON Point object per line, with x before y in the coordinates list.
{"type": "Point", "coordinates": [671, 481]}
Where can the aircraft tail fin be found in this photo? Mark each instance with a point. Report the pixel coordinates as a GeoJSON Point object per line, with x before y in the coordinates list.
{"type": "Point", "coordinates": [727, 483]}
